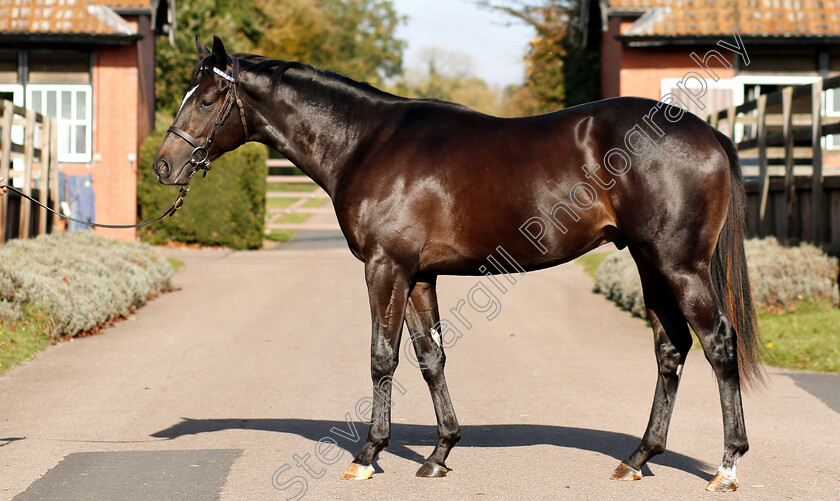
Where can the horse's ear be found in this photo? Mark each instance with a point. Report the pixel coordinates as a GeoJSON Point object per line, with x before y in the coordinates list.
{"type": "Point", "coordinates": [203, 51]}
{"type": "Point", "coordinates": [219, 52]}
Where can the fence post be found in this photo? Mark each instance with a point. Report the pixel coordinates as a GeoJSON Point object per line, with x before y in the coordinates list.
{"type": "Point", "coordinates": [54, 172]}
{"type": "Point", "coordinates": [787, 133]}
{"type": "Point", "coordinates": [43, 172]}
{"type": "Point", "coordinates": [28, 154]}
{"type": "Point", "coordinates": [730, 113]}
{"type": "Point", "coordinates": [763, 173]}
{"type": "Point", "coordinates": [816, 175]}
{"type": "Point", "coordinates": [5, 160]}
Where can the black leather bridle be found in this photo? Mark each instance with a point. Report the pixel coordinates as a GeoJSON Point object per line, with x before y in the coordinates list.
{"type": "Point", "coordinates": [199, 159]}
{"type": "Point", "coordinates": [200, 156]}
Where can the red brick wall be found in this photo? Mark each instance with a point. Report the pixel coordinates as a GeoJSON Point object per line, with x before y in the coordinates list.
{"type": "Point", "coordinates": [123, 114]}
{"type": "Point", "coordinates": [642, 69]}
{"type": "Point", "coordinates": [611, 60]}
{"type": "Point", "coordinates": [115, 132]}
{"type": "Point", "coordinates": [638, 71]}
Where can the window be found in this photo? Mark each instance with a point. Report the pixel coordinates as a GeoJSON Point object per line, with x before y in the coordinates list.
{"type": "Point", "coordinates": [832, 109]}
{"type": "Point", "coordinates": [55, 83]}
{"type": "Point", "coordinates": [71, 104]}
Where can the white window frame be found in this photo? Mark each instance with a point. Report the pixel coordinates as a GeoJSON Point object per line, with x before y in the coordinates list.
{"type": "Point", "coordinates": [71, 157]}
{"type": "Point", "coordinates": [832, 142]}
{"type": "Point", "coordinates": [16, 90]}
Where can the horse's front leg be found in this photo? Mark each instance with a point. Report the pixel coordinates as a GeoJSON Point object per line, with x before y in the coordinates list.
{"type": "Point", "coordinates": [389, 284]}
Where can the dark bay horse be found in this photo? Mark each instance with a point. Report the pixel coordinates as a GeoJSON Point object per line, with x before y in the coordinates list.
{"type": "Point", "coordinates": [424, 187]}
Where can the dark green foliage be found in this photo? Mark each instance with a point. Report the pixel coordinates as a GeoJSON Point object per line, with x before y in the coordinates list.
{"type": "Point", "coordinates": [581, 74]}
{"type": "Point", "coordinates": [226, 208]}
{"type": "Point", "coordinates": [562, 72]}
{"type": "Point", "coordinates": [352, 37]}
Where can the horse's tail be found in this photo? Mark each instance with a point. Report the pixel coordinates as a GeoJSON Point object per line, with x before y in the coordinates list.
{"type": "Point", "coordinates": [729, 272]}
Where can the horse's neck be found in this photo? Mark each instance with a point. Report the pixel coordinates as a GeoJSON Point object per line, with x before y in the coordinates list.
{"type": "Point", "coordinates": [316, 123]}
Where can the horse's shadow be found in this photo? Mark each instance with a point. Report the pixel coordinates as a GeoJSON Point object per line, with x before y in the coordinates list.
{"type": "Point", "coordinates": [403, 436]}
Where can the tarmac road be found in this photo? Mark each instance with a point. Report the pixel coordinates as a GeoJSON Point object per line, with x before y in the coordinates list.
{"type": "Point", "coordinates": [210, 391]}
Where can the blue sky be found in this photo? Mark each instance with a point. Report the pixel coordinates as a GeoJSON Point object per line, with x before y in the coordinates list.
{"type": "Point", "coordinates": [493, 40]}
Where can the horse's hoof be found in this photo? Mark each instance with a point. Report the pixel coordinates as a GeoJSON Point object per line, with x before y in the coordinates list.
{"type": "Point", "coordinates": [722, 483]}
{"type": "Point", "coordinates": [432, 470]}
{"type": "Point", "coordinates": [357, 471]}
{"type": "Point", "coordinates": [624, 472]}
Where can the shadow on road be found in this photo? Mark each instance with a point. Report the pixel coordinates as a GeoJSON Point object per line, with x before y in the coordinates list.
{"type": "Point", "coordinates": [826, 387]}
{"type": "Point", "coordinates": [403, 436]}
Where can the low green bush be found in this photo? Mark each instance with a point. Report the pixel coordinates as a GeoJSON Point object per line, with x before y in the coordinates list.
{"type": "Point", "coordinates": [78, 280]}
{"type": "Point", "coordinates": [618, 279]}
{"type": "Point", "coordinates": [780, 276]}
{"type": "Point", "coordinates": [226, 208]}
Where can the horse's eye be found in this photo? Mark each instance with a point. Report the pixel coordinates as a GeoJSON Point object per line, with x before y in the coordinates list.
{"type": "Point", "coordinates": [207, 104]}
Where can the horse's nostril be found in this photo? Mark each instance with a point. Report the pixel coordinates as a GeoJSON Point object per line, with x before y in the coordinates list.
{"type": "Point", "coordinates": [162, 167]}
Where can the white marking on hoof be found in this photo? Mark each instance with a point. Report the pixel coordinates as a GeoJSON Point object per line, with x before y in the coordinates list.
{"type": "Point", "coordinates": [625, 472]}
{"type": "Point", "coordinates": [357, 471]}
{"type": "Point", "coordinates": [724, 480]}
{"type": "Point", "coordinates": [435, 336]}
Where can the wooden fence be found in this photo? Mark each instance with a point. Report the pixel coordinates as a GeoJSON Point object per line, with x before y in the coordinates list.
{"type": "Point", "coordinates": [301, 197]}
{"type": "Point", "coordinates": [31, 140]}
{"type": "Point", "coordinates": [789, 199]}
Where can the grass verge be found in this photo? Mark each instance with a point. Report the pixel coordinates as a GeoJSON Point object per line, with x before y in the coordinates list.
{"type": "Point", "coordinates": [806, 336]}
{"type": "Point", "coordinates": [592, 261]}
{"type": "Point", "coordinates": [20, 341]}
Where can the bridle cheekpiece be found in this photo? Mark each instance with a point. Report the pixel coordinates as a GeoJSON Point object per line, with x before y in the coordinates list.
{"type": "Point", "coordinates": [200, 156]}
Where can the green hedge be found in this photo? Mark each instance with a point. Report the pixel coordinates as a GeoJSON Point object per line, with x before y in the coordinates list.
{"type": "Point", "coordinates": [226, 208]}
{"type": "Point", "coordinates": [780, 276]}
{"type": "Point", "coordinates": [78, 280]}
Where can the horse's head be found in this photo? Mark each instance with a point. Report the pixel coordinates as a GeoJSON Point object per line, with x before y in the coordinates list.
{"type": "Point", "coordinates": [211, 119]}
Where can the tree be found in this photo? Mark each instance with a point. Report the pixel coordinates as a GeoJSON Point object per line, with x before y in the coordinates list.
{"type": "Point", "coordinates": [449, 76]}
{"type": "Point", "coordinates": [561, 71]}
{"type": "Point", "coordinates": [353, 37]}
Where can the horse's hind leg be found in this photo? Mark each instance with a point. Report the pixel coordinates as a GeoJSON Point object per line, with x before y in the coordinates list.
{"type": "Point", "coordinates": [672, 342]}
{"type": "Point", "coordinates": [422, 318]}
{"type": "Point", "coordinates": [694, 291]}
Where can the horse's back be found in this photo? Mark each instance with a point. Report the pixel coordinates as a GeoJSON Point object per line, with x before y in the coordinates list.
{"type": "Point", "coordinates": [454, 184]}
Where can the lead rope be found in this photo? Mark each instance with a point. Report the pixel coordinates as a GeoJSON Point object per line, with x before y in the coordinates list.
{"type": "Point", "coordinates": [231, 99]}
{"type": "Point", "coordinates": [173, 208]}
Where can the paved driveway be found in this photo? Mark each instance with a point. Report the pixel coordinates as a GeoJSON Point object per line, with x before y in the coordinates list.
{"type": "Point", "coordinates": [210, 391]}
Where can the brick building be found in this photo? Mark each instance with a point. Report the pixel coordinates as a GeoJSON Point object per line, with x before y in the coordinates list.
{"type": "Point", "coordinates": [646, 46]}
{"type": "Point", "coordinates": [90, 64]}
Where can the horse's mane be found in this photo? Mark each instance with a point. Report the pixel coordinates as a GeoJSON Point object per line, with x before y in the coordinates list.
{"type": "Point", "coordinates": [275, 69]}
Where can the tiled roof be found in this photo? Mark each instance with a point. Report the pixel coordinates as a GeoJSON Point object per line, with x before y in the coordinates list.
{"type": "Point", "coordinates": [763, 18]}
{"type": "Point", "coordinates": [67, 17]}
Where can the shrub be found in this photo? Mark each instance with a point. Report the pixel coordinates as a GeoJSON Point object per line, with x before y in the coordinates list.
{"type": "Point", "coordinates": [80, 280]}
{"type": "Point", "coordinates": [618, 279]}
{"type": "Point", "coordinates": [226, 208]}
{"type": "Point", "coordinates": [779, 275]}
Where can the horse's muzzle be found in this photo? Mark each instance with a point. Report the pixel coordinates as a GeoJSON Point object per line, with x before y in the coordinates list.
{"type": "Point", "coordinates": [168, 173]}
